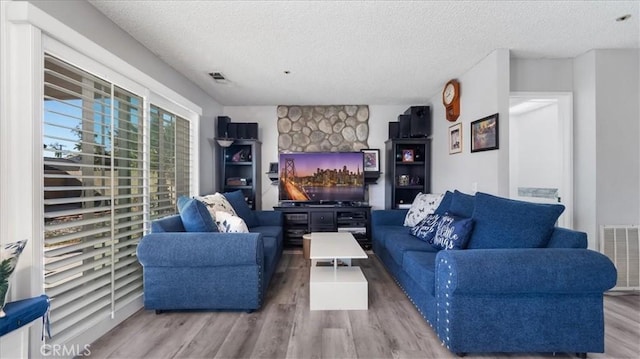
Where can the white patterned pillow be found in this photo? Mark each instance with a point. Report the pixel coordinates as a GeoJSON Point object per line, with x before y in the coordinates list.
{"type": "Point", "coordinates": [217, 203]}
{"type": "Point", "coordinates": [423, 205]}
{"type": "Point", "coordinates": [9, 254]}
{"type": "Point", "coordinates": [228, 223]}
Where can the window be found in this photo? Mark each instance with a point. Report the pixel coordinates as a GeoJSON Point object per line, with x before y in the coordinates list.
{"type": "Point", "coordinates": [100, 150]}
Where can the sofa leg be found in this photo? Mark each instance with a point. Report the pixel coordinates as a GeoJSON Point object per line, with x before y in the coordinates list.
{"type": "Point", "coordinates": [158, 311]}
{"type": "Point", "coordinates": [461, 354]}
{"type": "Point", "coordinates": [581, 355]}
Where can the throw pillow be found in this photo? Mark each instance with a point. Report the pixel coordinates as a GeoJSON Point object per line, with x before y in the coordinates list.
{"type": "Point", "coordinates": [423, 204]}
{"type": "Point", "coordinates": [9, 254]}
{"type": "Point", "coordinates": [445, 203]}
{"type": "Point", "coordinates": [426, 229]}
{"type": "Point", "coordinates": [195, 216]}
{"type": "Point", "coordinates": [507, 223]}
{"type": "Point", "coordinates": [462, 204]}
{"type": "Point", "coordinates": [217, 202]}
{"type": "Point", "coordinates": [453, 232]}
{"type": "Point", "coordinates": [228, 223]}
{"type": "Point", "coordinates": [239, 204]}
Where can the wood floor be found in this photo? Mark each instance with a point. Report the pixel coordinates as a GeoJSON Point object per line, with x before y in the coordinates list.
{"type": "Point", "coordinates": [285, 328]}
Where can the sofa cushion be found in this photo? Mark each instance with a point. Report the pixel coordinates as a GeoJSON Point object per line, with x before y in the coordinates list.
{"type": "Point", "coordinates": [445, 203]}
{"type": "Point", "coordinates": [237, 201]}
{"type": "Point", "coordinates": [462, 204]}
{"type": "Point", "coordinates": [420, 266]}
{"type": "Point", "coordinates": [452, 232]}
{"type": "Point", "coordinates": [423, 205]}
{"type": "Point", "coordinates": [507, 223]}
{"type": "Point", "coordinates": [228, 223]}
{"type": "Point", "coordinates": [400, 244]}
{"type": "Point", "coordinates": [195, 216]}
{"type": "Point", "coordinates": [268, 231]}
{"type": "Point", "coordinates": [426, 228]}
{"type": "Point", "coordinates": [384, 233]}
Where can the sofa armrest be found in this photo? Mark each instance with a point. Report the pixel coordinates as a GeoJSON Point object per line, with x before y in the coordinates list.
{"type": "Point", "coordinates": [190, 249]}
{"type": "Point", "coordinates": [567, 238]}
{"type": "Point", "coordinates": [388, 217]}
{"type": "Point", "coordinates": [270, 218]}
{"type": "Point", "coordinates": [511, 271]}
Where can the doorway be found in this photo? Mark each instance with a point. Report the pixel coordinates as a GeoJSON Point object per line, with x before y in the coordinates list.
{"type": "Point", "coordinates": [541, 149]}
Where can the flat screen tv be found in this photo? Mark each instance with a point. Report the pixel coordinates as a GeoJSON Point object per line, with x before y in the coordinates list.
{"type": "Point", "coordinates": [321, 177]}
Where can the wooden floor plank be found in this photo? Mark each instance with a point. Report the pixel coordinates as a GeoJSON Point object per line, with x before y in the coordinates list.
{"type": "Point", "coordinates": [285, 327]}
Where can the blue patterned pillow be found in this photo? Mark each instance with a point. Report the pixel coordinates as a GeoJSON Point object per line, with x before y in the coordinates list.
{"type": "Point", "coordinates": [426, 228]}
{"type": "Point", "coordinates": [195, 215]}
{"type": "Point", "coordinates": [453, 232]}
{"type": "Point", "coordinates": [445, 203]}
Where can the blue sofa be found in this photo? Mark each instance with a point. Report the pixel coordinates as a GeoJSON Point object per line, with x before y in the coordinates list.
{"type": "Point", "coordinates": [544, 299]}
{"type": "Point", "coordinates": [209, 270]}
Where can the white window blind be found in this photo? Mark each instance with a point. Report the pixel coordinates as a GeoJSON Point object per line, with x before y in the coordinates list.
{"type": "Point", "coordinates": [95, 169]}
{"type": "Point", "coordinates": [169, 163]}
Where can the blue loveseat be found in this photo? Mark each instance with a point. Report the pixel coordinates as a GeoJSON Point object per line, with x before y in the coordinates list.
{"type": "Point", "coordinates": [209, 270]}
{"type": "Point", "coordinates": [544, 297]}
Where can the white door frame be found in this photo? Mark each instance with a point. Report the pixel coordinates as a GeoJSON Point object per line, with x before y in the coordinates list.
{"type": "Point", "coordinates": [565, 118]}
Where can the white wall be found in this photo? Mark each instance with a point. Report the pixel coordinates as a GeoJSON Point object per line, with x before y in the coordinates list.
{"type": "Point", "coordinates": [484, 90]}
{"type": "Point", "coordinates": [606, 127]}
{"type": "Point", "coordinates": [617, 143]}
{"type": "Point", "coordinates": [541, 75]}
{"type": "Point", "coordinates": [532, 145]}
{"type": "Point", "coordinates": [265, 116]}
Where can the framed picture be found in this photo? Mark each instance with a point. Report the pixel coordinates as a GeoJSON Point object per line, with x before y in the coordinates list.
{"type": "Point", "coordinates": [455, 138]}
{"type": "Point", "coordinates": [407, 155]}
{"type": "Point", "coordinates": [371, 160]}
{"type": "Point", "coordinates": [484, 134]}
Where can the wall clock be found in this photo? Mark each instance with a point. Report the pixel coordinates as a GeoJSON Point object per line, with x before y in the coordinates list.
{"type": "Point", "coordinates": [451, 100]}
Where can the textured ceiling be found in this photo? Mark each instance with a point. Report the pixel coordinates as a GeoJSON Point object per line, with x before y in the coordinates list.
{"type": "Point", "coordinates": [359, 52]}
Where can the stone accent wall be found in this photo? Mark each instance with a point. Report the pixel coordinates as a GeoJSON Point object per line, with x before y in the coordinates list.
{"type": "Point", "coordinates": [323, 128]}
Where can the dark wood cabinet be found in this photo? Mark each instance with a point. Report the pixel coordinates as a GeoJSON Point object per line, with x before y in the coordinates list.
{"type": "Point", "coordinates": [408, 170]}
{"type": "Point", "coordinates": [299, 220]}
{"type": "Point", "coordinates": [240, 170]}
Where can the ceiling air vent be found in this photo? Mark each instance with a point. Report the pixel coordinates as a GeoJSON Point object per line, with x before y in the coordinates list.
{"type": "Point", "coordinates": [218, 77]}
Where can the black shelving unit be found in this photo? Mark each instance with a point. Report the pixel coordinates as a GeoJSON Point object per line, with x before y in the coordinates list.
{"type": "Point", "coordinates": [408, 170]}
{"type": "Point", "coordinates": [240, 170]}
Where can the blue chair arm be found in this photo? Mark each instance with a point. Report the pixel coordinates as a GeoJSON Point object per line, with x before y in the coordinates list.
{"type": "Point", "coordinates": [567, 238]}
{"type": "Point", "coordinates": [526, 270]}
{"type": "Point", "coordinates": [388, 217]}
{"type": "Point", "coordinates": [191, 249]}
{"type": "Point", "coordinates": [269, 218]}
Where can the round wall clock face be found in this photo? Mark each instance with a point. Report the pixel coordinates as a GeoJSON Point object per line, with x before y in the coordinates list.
{"type": "Point", "coordinates": [449, 93]}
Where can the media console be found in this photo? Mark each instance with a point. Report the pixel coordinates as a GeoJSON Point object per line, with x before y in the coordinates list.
{"type": "Point", "coordinates": [305, 218]}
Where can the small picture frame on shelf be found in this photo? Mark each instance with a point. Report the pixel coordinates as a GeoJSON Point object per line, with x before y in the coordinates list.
{"type": "Point", "coordinates": [407, 155]}
{"type": "Point", "coordinates": [371, 160]}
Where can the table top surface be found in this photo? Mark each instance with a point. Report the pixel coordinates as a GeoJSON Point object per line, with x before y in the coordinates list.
{"type": "Point", "coordinates": [330, 245]}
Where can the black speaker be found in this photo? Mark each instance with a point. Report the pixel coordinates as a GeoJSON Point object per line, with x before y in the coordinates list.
{"type": "Point", "coordinates": [394, 130]}
{"type": "Point", "coordinates": [252, 130]}
{"type": "Point", "coordinates": [405, 126]}
{"type": "Point", "coordinates": [223, 121]}
{"type": "Point", "coordinates": [232, 129]}
{"type": "Point", "coordinates": [420, 120]}
{"type": "Point", "coordinates": [241, 130]}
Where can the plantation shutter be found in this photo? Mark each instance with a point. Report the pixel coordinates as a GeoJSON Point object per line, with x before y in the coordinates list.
{"type": "Point", "coordinates": [169, 162]}
{"type": "Point", "coordinates": [94, 198]}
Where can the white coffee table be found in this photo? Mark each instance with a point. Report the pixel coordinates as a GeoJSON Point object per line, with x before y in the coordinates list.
{"type": "Point", "coordinates": [336, 287]}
